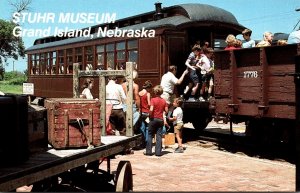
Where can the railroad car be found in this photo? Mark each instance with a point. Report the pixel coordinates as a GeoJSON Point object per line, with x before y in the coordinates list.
{"type": "Point", "coordinates": [177, 28]}
{"type": "Point", "coordinates": [258, 86]}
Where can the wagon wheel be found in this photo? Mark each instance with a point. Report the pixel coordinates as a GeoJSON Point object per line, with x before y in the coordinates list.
{"type": "Point", "coordinates": [124, 182]}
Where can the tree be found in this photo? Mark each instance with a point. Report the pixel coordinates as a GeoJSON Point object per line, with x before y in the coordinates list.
{"type": "Point", "coordinates": [11, 46]}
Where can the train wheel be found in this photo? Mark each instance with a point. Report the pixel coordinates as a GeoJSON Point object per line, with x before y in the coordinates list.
{"type": "Point", "coordinates": [124, 181]}
{"type": "Point", "coordinates": [201, 124]}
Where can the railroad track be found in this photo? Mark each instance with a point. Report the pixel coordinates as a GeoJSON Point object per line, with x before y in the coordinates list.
{"type": "Point", "coordinates": [219, 137]}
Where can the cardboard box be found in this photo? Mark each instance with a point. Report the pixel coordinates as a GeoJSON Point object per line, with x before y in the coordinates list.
{"type": "Point", "coordinates": [169, 139]}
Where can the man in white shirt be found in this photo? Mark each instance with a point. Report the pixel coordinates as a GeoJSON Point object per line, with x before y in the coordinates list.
{"type": "Point", "coordinates": [294, 37]}
{"type": "Point", "coordinates": [115, 95]}
{"type": "Point", "coordinates": [168, 82]}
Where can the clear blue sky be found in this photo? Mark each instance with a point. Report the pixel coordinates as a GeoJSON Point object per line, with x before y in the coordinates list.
{"type": "Point", "coordinates": [258, 15]}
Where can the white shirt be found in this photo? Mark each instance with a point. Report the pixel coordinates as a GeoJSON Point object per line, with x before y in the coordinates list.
{"type": "Point", "coordinates": [179, 115]}
{"type": "Point", "coordinates": [294, 37]}
{"type": "Point", "coordinates": [248, 44]}
{"type": "Point", "coordinates": [205, 64]}
{"type": "Point", "coordinates": [168, 81]}
{"type": "Point", "coordinates": [87, 93]}
{"type": "Point", "coordinates": [115, 91]}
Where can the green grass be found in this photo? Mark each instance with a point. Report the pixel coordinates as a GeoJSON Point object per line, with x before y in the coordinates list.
{"type": "Point", "coordinates": [10, 88]}
{"type": "Point", "coordinates": [13, 82]}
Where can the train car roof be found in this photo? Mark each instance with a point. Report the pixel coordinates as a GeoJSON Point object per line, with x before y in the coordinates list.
{"type": "Point", "coordinates": [176, 16]}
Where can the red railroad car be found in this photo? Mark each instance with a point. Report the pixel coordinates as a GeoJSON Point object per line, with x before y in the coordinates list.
{"type": "Point", "coordinates": [258, 86]}
{"type": "Point", "coordinates": [177, 28]}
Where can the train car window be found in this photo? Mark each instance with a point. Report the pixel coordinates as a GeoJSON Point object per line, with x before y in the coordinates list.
{"type": "Point", "coordinates": [121, 55]}
{"type": "Point", "coordinates": [110, 56]}
{"type": "Point", "coordinates": [100, 48]}
{"type": "Point", "coordinates": [61, 61]}
{"type": "Point", "coordinates": [219, 44]}
{"type": "Point", "coordinates": [37, 64]}
{"type": "Point", "coordinates": [120, 46]}
{"type": "Point", "coordinates": [89, 57]}
{"type": "Point", "coordinates": [70, 60]}
{"type": "Point", "coordinates": [53, 66]}
{"type": "Point", "coordinates": [32, 64]}
{"type": "Point", "coordinates": [78, 53]}
{"type": "Point", "coordinates": [48, 63]}
{"type": "Point", "coordinates": [42, 63]}
{"type": "Point", "coordinates": [110, 60]}
{"type": "Point", "coordinates": [110, 47]}
{"type": "Point", "coordinates": [78, 57]}
{"type": "Point", "coordinates": [131, 44]}
{"type": "Point", "coordinates": [132, 56]}
{"type": "Point", "coordinates": [100, 57]}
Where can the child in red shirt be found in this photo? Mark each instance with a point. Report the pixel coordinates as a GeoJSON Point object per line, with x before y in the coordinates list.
{"type": "Point", "coordinates": [158, 106]}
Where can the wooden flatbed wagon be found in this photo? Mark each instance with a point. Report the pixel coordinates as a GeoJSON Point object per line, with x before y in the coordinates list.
{"type": "Point", "coordinates": [46, 169]}
{"type": "Point", "coordinates": [51, 163]}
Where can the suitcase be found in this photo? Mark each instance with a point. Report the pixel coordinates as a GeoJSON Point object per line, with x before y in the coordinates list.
{"type": "Point", "coordinates": [14, 129]}
{"type": "Point", "coordinates": [73, 123]}
{"type": "Point", "coordinates": [37, 128]}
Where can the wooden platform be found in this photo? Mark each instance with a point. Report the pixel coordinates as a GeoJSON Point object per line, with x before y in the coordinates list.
{"type": "Point", "coordinates": [52, 162]}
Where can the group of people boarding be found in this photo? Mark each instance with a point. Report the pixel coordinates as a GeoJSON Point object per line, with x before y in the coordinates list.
{"type": "Point", "coordinates": [200, 68]}
{"type": "Point", "coordinates": [150, 111]}
{"type": "Point", "coordinates": [156, 108]}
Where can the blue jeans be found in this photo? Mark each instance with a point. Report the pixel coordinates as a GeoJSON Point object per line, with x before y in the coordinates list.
{"type": "Point", "coordinates": [135, 113]}
{"type": "Point", "coordinates": [155, 127]}
{"type": "Point", "coordinates": [144, 126]}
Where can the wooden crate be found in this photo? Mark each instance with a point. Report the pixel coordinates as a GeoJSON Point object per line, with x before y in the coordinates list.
{"type": "Point", "coordinates": [73, 123]}
{"type": "Point", "coordinates": [37, 128]}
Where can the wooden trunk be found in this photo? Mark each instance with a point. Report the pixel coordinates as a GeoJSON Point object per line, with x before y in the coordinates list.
{"type": "Point", "coordinates": [73, 123]}
{"type": "Point", "coordinates": [37, 128]}
{"type": "Point", "coordinates": [14, 129]}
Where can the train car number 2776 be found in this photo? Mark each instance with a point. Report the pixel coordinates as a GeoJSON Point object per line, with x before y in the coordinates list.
{"type": "Point", "coordinates": [250, 74]}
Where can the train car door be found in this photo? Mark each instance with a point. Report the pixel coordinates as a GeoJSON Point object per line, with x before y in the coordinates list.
{"type": "Point", "coordinates": [176, 53]}
{"type": "Point", "coordinates": [149, 60]}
